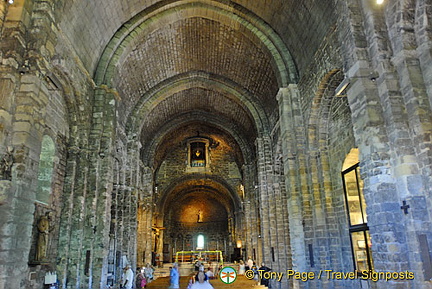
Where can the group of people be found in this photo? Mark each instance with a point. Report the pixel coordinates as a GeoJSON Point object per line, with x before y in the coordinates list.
{"type": "Point", "coordinates": [199, 281]}
{"type": "Point", "coordinates": [250, 265]}
{"type": "Point", "coordinates": [143, 277]}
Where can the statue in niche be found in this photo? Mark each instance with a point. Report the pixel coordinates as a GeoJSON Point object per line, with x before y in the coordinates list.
{"type": "Point", "coordinates": [43, 227]}
{"type": "Point", "coordinates": [200, 216]}
{"type": "Point", "coordinates": [6, 165]}
{"type": "Point", "coordinates": [198, 158]}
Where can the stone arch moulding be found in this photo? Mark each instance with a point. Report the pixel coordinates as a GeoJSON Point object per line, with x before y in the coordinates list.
{"type": "Point", "coordinates": [197, 79]}
{"type": "Point", "coordinates": [321, 106]}
{"type": "Point", "coordinates": [149, 150]}
{"type": "Point", "coordinates": [235, 199]}
{"type": "Point", "coordinates": [232, 14]}
{"type": "Point", "coordinates": [60, 78]}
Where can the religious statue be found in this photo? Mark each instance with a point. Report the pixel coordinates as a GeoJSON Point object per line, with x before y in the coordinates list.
{"type": "Point", "coordinates": [43, 227]}
{"type": "Point", "coordinates": [6, 165]}
{"type": "Point", "coordinates": [200, 216]}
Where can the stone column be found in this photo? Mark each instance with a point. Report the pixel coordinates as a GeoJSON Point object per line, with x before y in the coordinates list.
{"type": "Point", "coordinates": [282, 252]}
{"type": "Point", "coordinates": [294, 168]}
{"type": "Point", "coordinates": [18, 189]}
{"type": "Point", "coordinates": [251, 232]}
{"type": "Point", "coordinates": [264, 186]}
{"type": "Point", "coordinates": [273, 223]}
{"type": "Point", "coordinates": [144, 217]}
{"type": "Point", "coordinates": [17, 192]}
{"type": "Point", "coordinates": [85, 227]}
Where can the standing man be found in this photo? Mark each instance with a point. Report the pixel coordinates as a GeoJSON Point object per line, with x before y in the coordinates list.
{"type": "Point", "coordinates": [264, 269]}
{"type": "Point", "coordinates": [128, 277]}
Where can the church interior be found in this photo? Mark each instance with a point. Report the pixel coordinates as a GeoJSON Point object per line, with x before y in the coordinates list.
{"type": "Point", "coordinates": [294, 132]}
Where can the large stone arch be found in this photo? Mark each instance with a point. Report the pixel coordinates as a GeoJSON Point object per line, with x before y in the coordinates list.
{"type": "Point", "coordinates": [203, 180]}
{"type": "Point", "coordinates": [330, 139]}
{"type": "Point", "coordinates": [169, 12]}
{"type": "Point", "coordinates": [148, 153]}
{"type": "Point", "coordinates": [196, 79]}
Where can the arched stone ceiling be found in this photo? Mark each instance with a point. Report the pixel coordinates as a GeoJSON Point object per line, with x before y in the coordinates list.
{"type": "Point", "coordinates": [251, 48]}
{"type": "Point", "coordinates": [196, 99]}
{"type": "Point", "coordinates": [197, 44]}
{"type": "Point", "coordinates": [198, 183]}
{"type": "Point", "coordinates": [91, 24]}
{"type": "Point", "coordinates": [184, 209]}
{"type": "Point", "coordinates": [177, 134]}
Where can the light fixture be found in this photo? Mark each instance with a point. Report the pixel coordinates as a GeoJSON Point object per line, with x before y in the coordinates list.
{"type": "Point", "coordinates": [10, 1]}
{"type": "Point", "coordinates": [239, 243]}
{"type": "Point", "coordinates": [340, 90]}
{"type": "Point", "coordinates": [379, 2]}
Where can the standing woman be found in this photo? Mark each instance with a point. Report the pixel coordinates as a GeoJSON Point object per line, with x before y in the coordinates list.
{"type": "Point", "coordinates": [141, 281]}
{"type": "Point", "coordinates": [242, 267]}
{"type": "Point", "coordinates": [148, 272]}
{"type": "Point", "coordinates": [174, 277]}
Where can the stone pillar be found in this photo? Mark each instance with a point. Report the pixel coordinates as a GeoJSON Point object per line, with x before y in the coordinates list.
{"type": "Point", "coordinates": [294, 170]}
{"type": "Point", "coordinates": [402, 146]}
{"type": "Point", "coordinates": [274, 221]}
{"type": "Point", "coordinates": [282, 251]}
{"type": "Point", "coordinates": [264, 194]}
{"type": "Point", "coordinates": [16, 203]}
{"type": "Point", "coordinates": [85, 228]}
{"type": "Point", "coordinates": [251, 218]}
{"type": "Point", "coordinates": [380, 191]}
{"type": "Point", "coordinates": [144, 212]}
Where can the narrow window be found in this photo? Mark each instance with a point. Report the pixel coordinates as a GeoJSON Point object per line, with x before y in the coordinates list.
{"type": "Point", "coordinates": [200, 242]}
{"type": "Point", "coordinates": [46, 166]}
{"type": "Point", "coordinates": [358, 228]}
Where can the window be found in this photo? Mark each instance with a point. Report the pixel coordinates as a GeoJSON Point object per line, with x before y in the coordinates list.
{"type": "Point", "coordinates": [200, 242]}
{"type": "Point", "coordinates": [46, 165]}
{"type": "Point", "coordinates": [357, 218]}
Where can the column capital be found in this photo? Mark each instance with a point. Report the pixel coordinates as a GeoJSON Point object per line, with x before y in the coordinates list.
{"type": "Point", "coordinates": [285, 92]}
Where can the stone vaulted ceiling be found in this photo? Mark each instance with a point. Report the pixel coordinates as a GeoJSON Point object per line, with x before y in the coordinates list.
{"type": "Point", "coordinates": [174, 63]}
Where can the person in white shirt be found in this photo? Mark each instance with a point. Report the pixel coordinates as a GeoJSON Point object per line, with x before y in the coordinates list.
{"type": "Point", "coordinates": [127, 278]}
{"type": "Point", "coordinates": [210, 273]}
{"type": "Point", "coordinates": [250, 263]}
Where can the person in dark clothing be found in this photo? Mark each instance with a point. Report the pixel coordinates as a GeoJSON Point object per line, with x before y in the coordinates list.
{"type": "Point", "coordinates": [264, 269]}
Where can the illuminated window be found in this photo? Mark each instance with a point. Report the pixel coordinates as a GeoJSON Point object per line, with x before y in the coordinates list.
{"type": "Point", "coordinates": [200, 242]}
{"type": "Point", "coordinates": [358, 228]}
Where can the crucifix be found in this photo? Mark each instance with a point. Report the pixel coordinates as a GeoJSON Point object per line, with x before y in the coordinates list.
{"type": "Point", "coordinates": [405, 207]}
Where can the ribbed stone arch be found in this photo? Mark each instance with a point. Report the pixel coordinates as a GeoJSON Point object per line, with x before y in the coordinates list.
{"type": "Point", "coordinates": [211, 180]}
{"type": "Point", "coordinates": [195, 79]}
{"type": "Point", "coordinates": [318, 120]}
{"type": "Point", "coordinates": [160, 15]}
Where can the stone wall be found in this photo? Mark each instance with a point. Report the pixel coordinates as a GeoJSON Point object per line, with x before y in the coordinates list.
{"type": "Point", "coordinates": [103, 196]}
